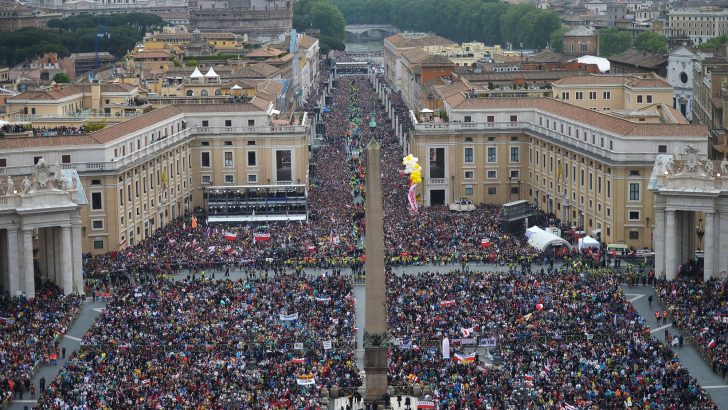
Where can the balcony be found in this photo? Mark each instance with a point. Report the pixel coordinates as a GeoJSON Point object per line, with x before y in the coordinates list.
{"type": "Point", "coordinates": [437, 181]}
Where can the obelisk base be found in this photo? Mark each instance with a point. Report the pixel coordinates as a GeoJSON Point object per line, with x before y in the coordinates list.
{"type": "Point", "coordinates": [375, 367]}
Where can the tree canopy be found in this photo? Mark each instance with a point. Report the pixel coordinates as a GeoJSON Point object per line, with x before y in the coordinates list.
{"type": "Point", "coordinates": [76, 35]}
{"type": "Point", "coordinates": [488, 21]}
{"type": "Point", "coordinates": [322, 15]}
{"type": "Point", "coordinates": [652, 42]}
{"type": "Point", "coordinates": [714, 42]}
{"type": "Point", "coordinates": [613, 41]}
{"type": "Point", "coordinates": [61, 78]}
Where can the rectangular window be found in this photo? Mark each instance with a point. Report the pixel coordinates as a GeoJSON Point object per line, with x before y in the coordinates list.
{"type": "Point", "coordinates": [205, 159]}
{"type": "Point", "coordinates": [634, 215]}
{"type": "Point", "coordinates": [634, 191]}
{"type": "Point", "coordinates": [492, 157]}
{"type": "Point", "coordinates": [592, 95]}
{"type": "Point", "coordinates": [468, 190]}
{"type": "Point", "coordinates": [469, 175]}
{"type": "Point", "coordinates": [65, 159]}
{"type": "Point", "coordinates": [607, 95]}
{"type": "Point", "coordinates": [251, 123]}
{"type": "Point", "coordinates": [3, 162]}
{"type": "Point", "coordinates": [228, 123]}
{"type": "Point", "coordinates": [514, 118]}
{"type": "Point", "coordinates": [205, 123]}
{"type": "Point", "coordinates": [515, 154]}
{"type": "Point", "coordinates": [609, 189]}
{"type": "Point", "coordinates": [468, 155]}
{"type": "Point", "coordinates": [228, 156]}
{"type": "Point", "coordinates": [491, 190]}
{"type": "Point", "coordinates": [252, 178]}
{"type": "Point", "coordinates": [205, 179]}
{"type": "Point", "coordinates": [283, 165]}
{"type": "Point", "coordinates": [228, 143]}
{"type": "Point", "coordinates": [97, 224]}
{"type": "Point", "coordinates": [565, 96]}
{"type": "Point", "coordinates": [634, 235]}
{"type": "Point", "coordinates": [467, 118]}
{"type": "Point", "coordinates": [229, 178]}
{"type": "Point", "coordinates": [98, 244]}
{"type": "Point", "coordinates": [649, 99]}
{"type": "Point", "coordinates": [96, 201]}
{"type": "Point", "coordinates": [579, 95]}
{"type": "Point", "coordinates": [639, 99]}
{"type": "Point", "coordinates": [662, 149]}
{"type": "Point", "coordinates": [437, 163]}
{"type": "Point", "coordinates": [492, 174]}
{"type": "Point", "coordinates": [515, 174]}
{"type": "Point", "coordinates": [251, 159]}
{"type": "Point", "coordinates": [491, 118]}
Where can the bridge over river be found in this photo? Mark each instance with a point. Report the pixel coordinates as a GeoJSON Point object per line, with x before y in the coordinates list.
{"type": "Point", "coordinates": [369, 32]}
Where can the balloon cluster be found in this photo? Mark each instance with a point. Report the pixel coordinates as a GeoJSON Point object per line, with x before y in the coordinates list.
{"type": "Point", "coordinates": [412, 168]}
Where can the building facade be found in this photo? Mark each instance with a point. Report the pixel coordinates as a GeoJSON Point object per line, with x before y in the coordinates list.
{"type": "Point", "coordinates": [680, 76]}
{"type": "Point", "coordinates": [141, 174]}
{"type": "Point", "coordinates": [589, 169]}
{"type": "Point", "coordinates": [710, 92]}
{"type": "Point", "coordinates": [581, 41]}
{"type": "Point", "coordinates": [394, 46]}
{"type": "Point", "coordinates": [698, 26]}
{"type": "Point", "coordinates": [261, 20]}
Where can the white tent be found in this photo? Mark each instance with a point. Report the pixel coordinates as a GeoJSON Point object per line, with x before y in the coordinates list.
{"type": "Point", "coordinates": [532, 231]}
{"type": "Point", "coordinates": [542, 240]}
{"type": "Point", "coordinates": [588, 242]}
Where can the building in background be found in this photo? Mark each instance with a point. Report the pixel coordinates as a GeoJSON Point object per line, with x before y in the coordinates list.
{"type": "Point", "coordinates": [697, 25]}
{"type": "Point", "coordinates": [680, 76]}
{"type": "Point", "coordinates": [580, 41]}
{"type": "Point", "coordinates": [396, 44]}
{"type": "Point", "coordinates": [261, 20]}
{"type": "Point", "coordinates": [14, 16]}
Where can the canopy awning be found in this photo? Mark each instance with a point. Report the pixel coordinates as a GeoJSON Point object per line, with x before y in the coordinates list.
{"type": "Point", "coordinates": [542, 240]}
{"type": "Point", "coordinates": [533, 230]}
{"type": "Point", "coordinates": [588, 242]}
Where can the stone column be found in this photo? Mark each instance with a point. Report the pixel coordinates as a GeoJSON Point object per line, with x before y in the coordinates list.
{"type": "Point", "coordinates": [708, 251]}
{"type": "Point", "coordinates": [66, 263]}
{"type": "Point", "coordinates": [687, 233]}
{"type": "Point", "coordinates": [51, 254]}
{"type": "Point", "coordinates": [670, 244]}
{"type": "Point", "coordinates": [13, 262]}
{"type": "Point", "coordinates": [42, 245]}
{"type": "Point", "coordinates": [77, 258]}
{"type": "Point", "coordinates": [660, 243]}
{"type": "Point", "coordinates": [723, 242]}
{"type": "Point", "coordinates": [28, 268]}
{"type": "Point", "coordinates": [375, 313]}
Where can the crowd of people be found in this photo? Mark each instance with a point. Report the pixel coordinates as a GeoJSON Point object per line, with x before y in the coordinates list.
{"type": "Point", "coordinates": [42, 131]}
{"type": "Point", "coordinates": [215, 344]}
{"type": "Point", "coordinates": [565, 338]}
{"type": "Point", "coordinates": [700, 309]}
{"type": "Point", "coordinates": [29, 335]}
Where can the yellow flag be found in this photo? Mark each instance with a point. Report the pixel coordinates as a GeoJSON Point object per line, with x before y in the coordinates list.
{"type": "Point", "coordinates": [164, 176]}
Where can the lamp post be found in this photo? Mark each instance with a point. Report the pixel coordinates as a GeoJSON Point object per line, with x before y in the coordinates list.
{"type": "Point", "coordinates": [700, 231]}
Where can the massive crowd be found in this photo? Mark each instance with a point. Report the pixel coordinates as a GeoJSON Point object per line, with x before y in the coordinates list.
{"type": "Point", "coordinates": [215, 344]}
{"type": "Point", "coordinates": [29, 332]}
{"type": "Point", "coordinates": [564, 338]}
{"type": "Point", "coordinates": [701, 310]}
{"type": "Point", "coordinates": [541, 322]}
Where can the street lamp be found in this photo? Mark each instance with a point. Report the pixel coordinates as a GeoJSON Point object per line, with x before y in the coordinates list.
{"type": "Point", "coordinates": [700, 231]}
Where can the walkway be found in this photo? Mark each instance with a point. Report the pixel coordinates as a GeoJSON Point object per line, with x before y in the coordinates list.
{"type": "Point", "coordinates": [689, 356]}
{"type": "Point", "coordinates": [71, 341]}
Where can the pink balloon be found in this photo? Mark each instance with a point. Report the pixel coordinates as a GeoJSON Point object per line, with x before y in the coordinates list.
{"type": "Point", "coordinates": [539, 307]}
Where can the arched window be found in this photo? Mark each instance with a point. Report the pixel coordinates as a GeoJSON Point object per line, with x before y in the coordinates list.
{"type": "Point", "coordinates": [203, 93]}
{"type": "Point", "coordinates": [190, 93]}
{"type": "Point", "coordinates": [218, 92]}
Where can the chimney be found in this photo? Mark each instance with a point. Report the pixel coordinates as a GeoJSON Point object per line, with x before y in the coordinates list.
{"type": "Point", "coordinates": [96, 96]}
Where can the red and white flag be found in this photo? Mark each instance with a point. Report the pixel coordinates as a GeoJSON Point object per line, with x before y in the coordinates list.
{"type": "Point", "coordinates": [412, 199]}
{"type": "Point", "coordinates": [261, 237]}
{"type": "Point", "coordinates": [485, 243]}
{"type": "Point", "coordinates": [466, 331]}
{"type": "Point", "coordinates": [712, 344]}
{"type": "Point", "coordinates": [230, 236]}
{"type": "Point", "coordinates": [446, 303]}
{"type": "Point", "coordinates": [464, 358]}
{"type": "Point", "coordinates": [298, 360]}
{"type": "Point", "coordinates": [425, 404]}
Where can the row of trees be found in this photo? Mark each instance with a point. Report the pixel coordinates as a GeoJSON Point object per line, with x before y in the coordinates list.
{"type": "Point", "coordinates": [489, 21]}
{"type": "Point", "coordinates": [76, 35]}
{"type": "Point", "coordinates": [613, 41]}
{"type": "Point", "coordinates": [324, 16]}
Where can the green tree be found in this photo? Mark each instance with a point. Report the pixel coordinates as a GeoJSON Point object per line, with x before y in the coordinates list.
{"type": "Point", "coordinates": [613, 41]}
{"type": "Point", "coordinates": [650, 41]}
{"type": "Point", "coordinates": [325, 16]}
{"type": "Point", "coordinates": [61, 78]}
{"type": "Point", "coordinates": [714, 42]}
{"type": "Point", "coordinates": [557, 39]}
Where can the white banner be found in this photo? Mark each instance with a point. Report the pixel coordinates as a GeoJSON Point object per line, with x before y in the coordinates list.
{"type": "Point", "coordinates": [445, 348]}
{"type": "Point", "coordinates": [293, 316]}
{"type": "Point", "coordinates": [298, 346]}
{"type": "Point", "coordinates": [488, 342]}
{"type": "Point", "coordinates": [305, 379]}
{"type": "Point", "coordinates": [327, 344]}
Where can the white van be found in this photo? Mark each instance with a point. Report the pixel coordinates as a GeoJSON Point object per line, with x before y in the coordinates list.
{"type": "Point", "coordinates": [619, 247]}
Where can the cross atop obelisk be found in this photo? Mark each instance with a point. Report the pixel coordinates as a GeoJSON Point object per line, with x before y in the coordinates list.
{"type": "Point", "coordinates": [375, 313]}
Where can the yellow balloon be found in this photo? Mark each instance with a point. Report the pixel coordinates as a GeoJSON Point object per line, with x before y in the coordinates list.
{"type": "Point", "coordinates": [416, 177]}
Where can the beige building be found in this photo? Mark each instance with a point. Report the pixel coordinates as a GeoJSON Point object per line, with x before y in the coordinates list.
{"type": "Point", "coordinates": [466, 54]}
{"type": "Point", "coordinates": [140, 174]}
{"type": "Point", "coordinates": [642, 97]}
{"type": "Point", "coordinates": [697, 25]}
{"type": "Point", "coordinates": [588, 168]}
{"type": "Point", "coordinates": [98, 100]}
{"type": "Point", "coordinates": [394, 46]}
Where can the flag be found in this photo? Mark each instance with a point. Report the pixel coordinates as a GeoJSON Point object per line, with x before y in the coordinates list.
{"type": "Point", "coordinates": [558, 172]}
{"type": "Point", "coordinates": [712, 344]}
{"type": "Point", "coordinates": [412, 378]}
{"type": "Point", "coordinates": [425, 404]}
{"type": "Point", "coordinates": [568, 406]}
{"type": "Point", "coordinates": [412, 199]}
{"type": "Point", "coordinates": [298, 360]}
{"type": "Point", "coordinates": [311, 248]}
{"type": "Point", "coordinates": [230, 236]}
{"type": "Point", "coordinates": [164, 176]}
{"type": "Point", "coordinates": [305, 379]}
{"type": "Point", "coordinates": [466, 331]}
{"type": "Point", "coordinates": [446, 303]}
{"type": "Point", "coordinates": [485, 243]}
{"type": "Point", "coordinates": [445, 348]}
{"type": "Point", "coordinates": [261, 237]}
{"type": "Point", "coordinates": [464, 358]}
{"type": "Point", "coordinates": [193, 224]}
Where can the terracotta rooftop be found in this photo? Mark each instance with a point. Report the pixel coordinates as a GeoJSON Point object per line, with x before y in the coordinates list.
{"type": "Point", "coordinates": [588, 117]}
{"type": "Point", "coordinates": [265, 52]}
{"type": "Point", "coordinates": [639, 58]}
{"type": "Point", "coordinates": [306, 42]}
{"type": "Point", "coordinates": [402, 40]}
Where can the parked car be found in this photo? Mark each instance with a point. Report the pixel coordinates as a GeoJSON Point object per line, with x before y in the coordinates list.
{"type": "Point", "coordinates": [645, 252]}
{"type": "Point", "coordinates": [462, 205]}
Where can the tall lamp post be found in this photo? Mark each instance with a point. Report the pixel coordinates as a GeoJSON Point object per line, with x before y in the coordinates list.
{"type": "Point", "coordinates": [700, 231]}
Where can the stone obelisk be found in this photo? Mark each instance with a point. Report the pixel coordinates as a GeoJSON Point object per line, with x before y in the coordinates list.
{"type": "Point", "coordinates": [375, 312]}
